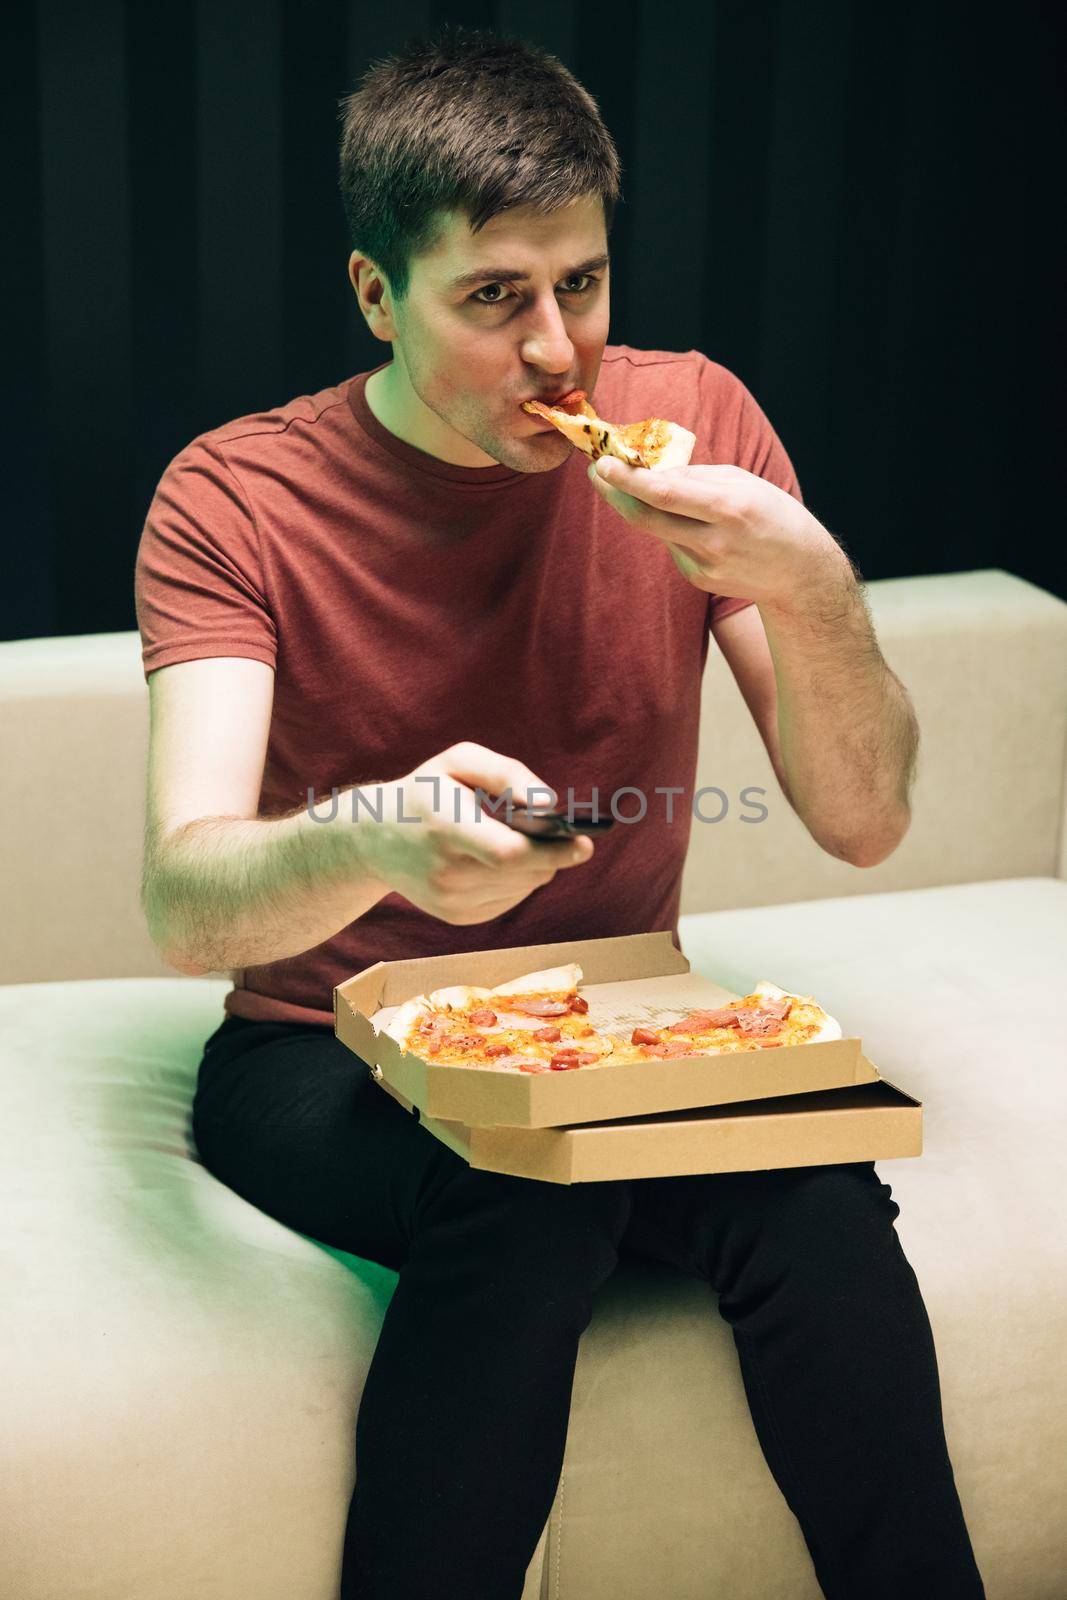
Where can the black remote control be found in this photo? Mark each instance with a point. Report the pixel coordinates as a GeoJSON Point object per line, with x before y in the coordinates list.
{"type": "Point", "coordinates": [552, 824]}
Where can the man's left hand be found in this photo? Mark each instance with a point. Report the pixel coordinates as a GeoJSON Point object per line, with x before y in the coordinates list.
{"type": "Point", "coordinates": [728, 531]}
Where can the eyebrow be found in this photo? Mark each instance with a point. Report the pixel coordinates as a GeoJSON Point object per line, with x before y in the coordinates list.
{"type": "Point", "coordinates": [467, 280]}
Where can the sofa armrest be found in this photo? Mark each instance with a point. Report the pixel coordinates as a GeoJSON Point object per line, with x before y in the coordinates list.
{"type": "Point", "coordinates": [984, 656]}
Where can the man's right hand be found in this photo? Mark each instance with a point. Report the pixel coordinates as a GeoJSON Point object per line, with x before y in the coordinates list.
{"type": "Point", "coordinates": [469, 870]}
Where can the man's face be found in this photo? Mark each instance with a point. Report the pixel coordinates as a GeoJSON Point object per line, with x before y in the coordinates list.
{"type": "Point", "coordinates": [465, 355]}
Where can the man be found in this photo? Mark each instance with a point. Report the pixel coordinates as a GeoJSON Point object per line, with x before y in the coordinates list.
{"type": "Point", "coordinates": [409, 577]}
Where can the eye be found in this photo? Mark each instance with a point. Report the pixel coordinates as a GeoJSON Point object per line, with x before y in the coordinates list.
{"type": "Point", "coordinates": [589, 278]}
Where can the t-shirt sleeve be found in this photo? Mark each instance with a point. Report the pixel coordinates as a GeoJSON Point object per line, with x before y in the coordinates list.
{"type": "Point", "coordinates": [742, 437]}
{"type": "Point", "coordinates": [198, 579]}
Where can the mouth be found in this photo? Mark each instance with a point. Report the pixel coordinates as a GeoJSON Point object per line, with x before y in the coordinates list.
{"type": "Point", "coordinates": [561, 396]}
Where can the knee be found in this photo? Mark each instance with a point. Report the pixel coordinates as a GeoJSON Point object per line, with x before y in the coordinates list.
{"type": "Point", "coordinates": [843, 1210]}
{"type": "Point", "coordinates": [809, 1230]}
{"type": "Point", "coordinates": [528, 1230]}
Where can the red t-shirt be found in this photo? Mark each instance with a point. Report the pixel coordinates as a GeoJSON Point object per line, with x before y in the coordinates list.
{"type": "Point", "coordinates": [406, 604]}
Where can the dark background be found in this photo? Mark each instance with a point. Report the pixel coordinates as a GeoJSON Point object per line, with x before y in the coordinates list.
{"type": "Point", "coordinates": [850, 206]}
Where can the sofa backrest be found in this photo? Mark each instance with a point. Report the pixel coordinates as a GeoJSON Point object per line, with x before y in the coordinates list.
{"type": "Point", "coordinates": [984, 655]}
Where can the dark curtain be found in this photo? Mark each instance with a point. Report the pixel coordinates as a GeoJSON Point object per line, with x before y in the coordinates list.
{"type": "Point", "coordinates": [849, 205]}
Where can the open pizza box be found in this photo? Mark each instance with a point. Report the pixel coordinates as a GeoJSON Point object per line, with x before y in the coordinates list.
{"type": "Point", "coordinates": [664, 1116]}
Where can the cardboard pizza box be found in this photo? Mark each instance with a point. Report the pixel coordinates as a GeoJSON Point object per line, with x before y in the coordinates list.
{"type": "Point", "coordinates": [872, 1121]}
{"type": "Point", "coordinates": [628, 980]}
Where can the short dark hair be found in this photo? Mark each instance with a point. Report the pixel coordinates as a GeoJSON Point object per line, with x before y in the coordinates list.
{"type": "Point", "coordinates": [471, 120]}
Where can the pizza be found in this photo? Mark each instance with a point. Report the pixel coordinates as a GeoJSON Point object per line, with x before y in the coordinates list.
{"type": "Point", "coordinates": [540, 1023]}
{"type": "Point", "coordinates": [653, 443]}
{"type": "Point", "coordinates": [766, 1019]}
{"type": "Point", "coordinates": [536, 1023]}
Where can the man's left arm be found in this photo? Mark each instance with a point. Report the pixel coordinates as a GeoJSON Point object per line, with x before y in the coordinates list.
{"type": "Point", "coordinates": [838, 724]}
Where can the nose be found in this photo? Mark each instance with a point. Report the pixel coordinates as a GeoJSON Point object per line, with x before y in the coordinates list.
{"type": "Point", "coordinates": [547, 344]}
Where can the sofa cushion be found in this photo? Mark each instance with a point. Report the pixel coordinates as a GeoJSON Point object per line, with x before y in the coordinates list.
{"type": "Point", "coordinates": [183, 1372]}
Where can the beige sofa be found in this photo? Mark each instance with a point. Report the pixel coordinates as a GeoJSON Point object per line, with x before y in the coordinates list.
{"type": "Point", "coordinates": [182, 1373]}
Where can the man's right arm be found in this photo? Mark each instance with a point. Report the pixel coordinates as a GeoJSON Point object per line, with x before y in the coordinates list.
{"type": "Point", "coordinates": [222, 888]}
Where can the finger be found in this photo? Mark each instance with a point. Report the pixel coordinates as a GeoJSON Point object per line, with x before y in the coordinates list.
{"type": "Point", "coordinates": [480, 767]}
{"type": "Point", "coordinates": [666, 526]}
{"type": "Point", "coordinates": [477, 832]}
{"type": "Point", "coordinates": [472, 830]}
{"type": "Point", "coordinates": [516, 852]}
{"type": "Point", "coordinates": [702, 493]}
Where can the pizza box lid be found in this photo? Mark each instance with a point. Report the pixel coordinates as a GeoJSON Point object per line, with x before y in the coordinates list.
{"type": "Point", "coordinates": [871, 1121]}
{"type": "Point", "coordinates": [628, 980]}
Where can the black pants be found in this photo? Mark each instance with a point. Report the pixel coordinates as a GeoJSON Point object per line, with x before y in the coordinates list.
{"type": "Point", "coordinates": [461, 1428]}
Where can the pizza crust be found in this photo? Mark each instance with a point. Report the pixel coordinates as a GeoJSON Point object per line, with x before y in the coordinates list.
{"type": "Point", "coordinates": [829, 1027]}
{"type": "Point", "coordinates": [459, 996]}
{"type": "Point", "coordinates": [553, 980]}
{"type": "Point", "coordinates": [405, 1019]}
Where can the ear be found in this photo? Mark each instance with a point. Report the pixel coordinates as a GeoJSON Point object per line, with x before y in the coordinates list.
{"type": "Point", "coordinates": [372, 292]}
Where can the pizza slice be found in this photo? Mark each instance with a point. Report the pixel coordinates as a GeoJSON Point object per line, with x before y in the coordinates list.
{"type": "Point", "coordinates": [766, 1019]}
{"type": "Point", "coordinates": [534, 1023]}
{"type": "Point", "coordinates": [653, 443]}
